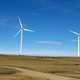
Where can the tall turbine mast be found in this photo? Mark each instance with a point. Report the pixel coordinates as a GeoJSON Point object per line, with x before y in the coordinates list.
{"type": "Point", "coordinates": [21, 31]}
{"type": "Point", "coordinates": [21, 42]}
{"type": "Point", "coordinates": [78, 34]}
{"type": "Point", "coordinates": [78, 44]}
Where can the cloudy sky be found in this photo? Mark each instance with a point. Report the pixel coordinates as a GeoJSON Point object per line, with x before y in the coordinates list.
{"type": "Point", "coordinates": [51, 20]}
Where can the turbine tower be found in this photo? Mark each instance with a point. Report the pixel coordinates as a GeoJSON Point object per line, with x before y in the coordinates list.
{"type": "Point", "coordinates": [21, 31]}
{"type": "Point", "coordinates": [78, 38]}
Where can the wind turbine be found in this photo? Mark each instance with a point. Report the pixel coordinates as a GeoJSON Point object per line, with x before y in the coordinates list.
{"type": "Point", "coordinates": [78, 35]}
{"type": "Point", "coordinates": [21, 31]}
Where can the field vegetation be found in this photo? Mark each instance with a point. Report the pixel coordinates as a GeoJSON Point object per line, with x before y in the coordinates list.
{"type": "Point", "coordinates": [64, 66]}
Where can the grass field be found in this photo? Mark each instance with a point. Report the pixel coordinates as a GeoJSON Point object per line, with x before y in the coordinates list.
{"type": "Point", "coordinates": [64, 66]}
{"type": "Point", "coordinates": [7, 71]}
{"type": "Point", "coordinates": [20, 78]}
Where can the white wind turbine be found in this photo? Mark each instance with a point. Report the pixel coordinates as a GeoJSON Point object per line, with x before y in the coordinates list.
{"type": "Point", "coordinates": [21, 30]}
{"type": "Point", "coordinates": [78, 35]}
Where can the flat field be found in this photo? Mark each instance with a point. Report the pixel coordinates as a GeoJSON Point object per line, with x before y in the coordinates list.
{"type": "Point", "coordinates": [61, 66]}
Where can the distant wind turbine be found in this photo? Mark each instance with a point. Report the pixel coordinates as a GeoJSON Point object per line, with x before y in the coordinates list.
{"type": "Point", "coordinates": [21, 30]}
{"type": "Point", "coordinates": [78, 35]}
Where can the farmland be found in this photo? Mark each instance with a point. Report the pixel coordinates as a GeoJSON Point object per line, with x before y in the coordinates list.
{"type": "Point", "coordinates": [62, 66]}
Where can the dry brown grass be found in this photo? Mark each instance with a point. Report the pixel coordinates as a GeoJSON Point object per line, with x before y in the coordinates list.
{"type": "Point", "coordinates": [67, 66]}
{"type": "Point", "coordinates": [20, 77]}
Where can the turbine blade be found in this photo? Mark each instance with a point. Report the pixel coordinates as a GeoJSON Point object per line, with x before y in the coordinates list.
{"type": "Point", "coordinates": [28, 30]}
{"type": "Point", "coordinates": [20, 22]}
{"type": "Point", "coordinates": [74, 32]}
{"type": "Point", "coordinates": [17, 33]}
